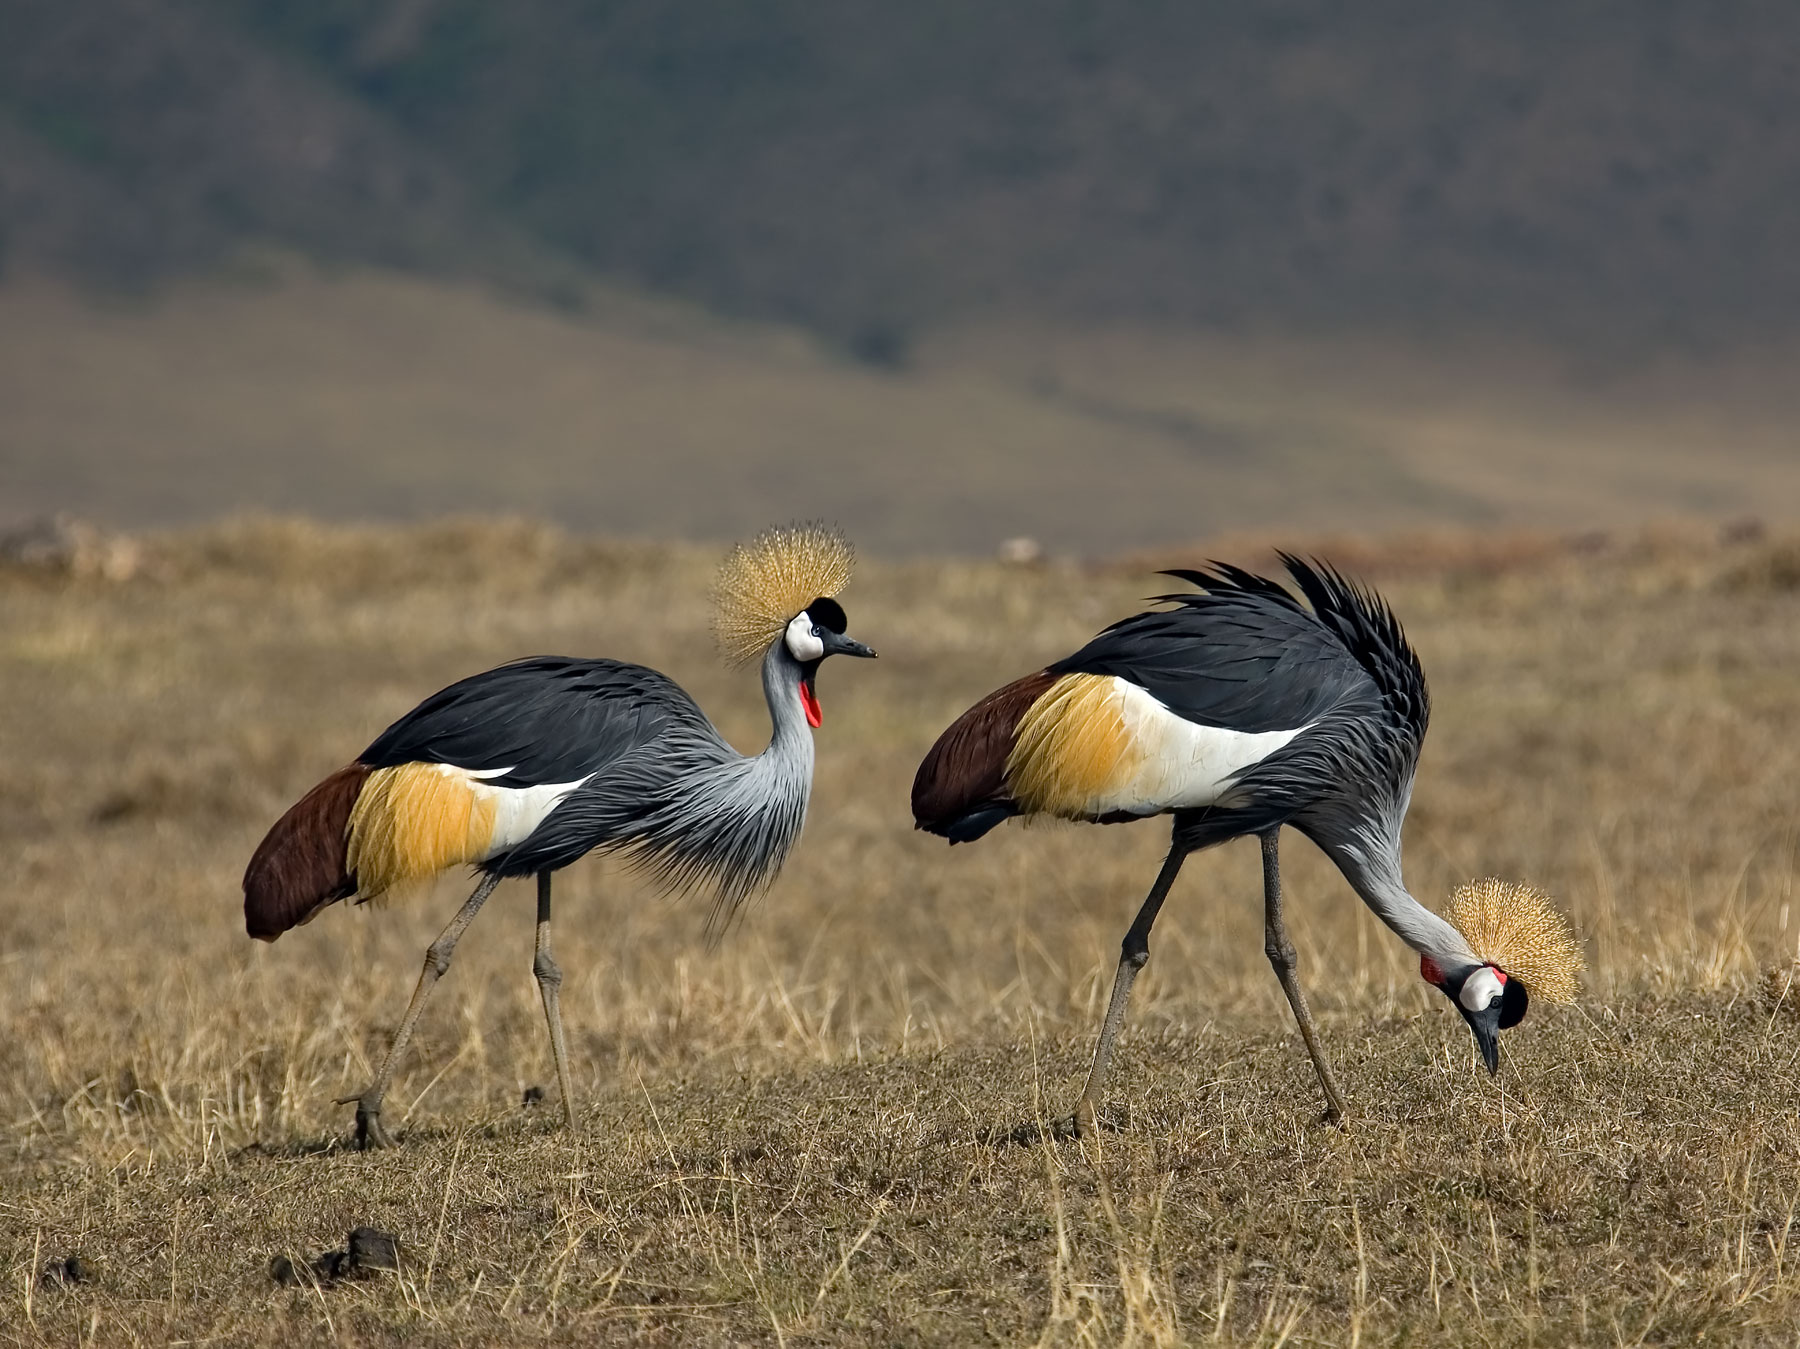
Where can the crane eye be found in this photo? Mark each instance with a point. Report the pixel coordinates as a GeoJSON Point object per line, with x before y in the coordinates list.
{"type": "Point", "coordinates": [803, 639]}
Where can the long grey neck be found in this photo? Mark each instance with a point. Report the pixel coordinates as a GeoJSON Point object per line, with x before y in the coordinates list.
{"type": "Point", "coordinates": [732, 821]}
{"type": "Point", "coordinates": [1371, 863]}
{"type": "Point", "coordinates": [791, 740]}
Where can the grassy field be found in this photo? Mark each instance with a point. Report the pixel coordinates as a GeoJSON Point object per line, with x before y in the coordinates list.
{"type": "Point", "coordinates": [801, 1135]}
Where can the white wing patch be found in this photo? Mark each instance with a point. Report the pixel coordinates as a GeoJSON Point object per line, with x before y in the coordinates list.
{"type": "Point", "coordinates": [518, 811]}
{"type": "Point", "coordinates": [1183, 765]}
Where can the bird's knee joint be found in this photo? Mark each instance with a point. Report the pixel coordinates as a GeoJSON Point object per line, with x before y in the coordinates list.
{"type": "Point", "coordinates": [437, 957]}
{"type": "Point", "coordinates": [1280, 953]}
{"type": "Point", "coordinates": [548, 973]}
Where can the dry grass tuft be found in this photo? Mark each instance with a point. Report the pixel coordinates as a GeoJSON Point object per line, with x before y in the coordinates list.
{"type": "Point", "coordinates": [1775, 567]}
{"type": "Point", "coordinates": [784, 1139]}
{"type": "Point", "coordinates": [1780, 987]}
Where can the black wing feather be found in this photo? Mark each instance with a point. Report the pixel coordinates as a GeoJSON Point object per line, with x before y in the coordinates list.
{"type": "Point", "coordinates": [1244, 655]}
{"type": "Point", "coordinates": [1370, 632]}
{"type": "Point", "coordinates": [546, 718]}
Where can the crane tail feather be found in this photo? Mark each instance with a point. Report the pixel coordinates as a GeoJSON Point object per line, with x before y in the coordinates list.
{"type": "Point", "coordinates": [300, 866]}
{"type": "Point", "coordinates": [960, 790]}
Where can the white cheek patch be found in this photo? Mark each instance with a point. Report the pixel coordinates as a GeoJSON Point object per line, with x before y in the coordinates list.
{"type": "Point", "coordinates": [801, 642]}
{"type": "Point", "coordinates": [1480, 990]}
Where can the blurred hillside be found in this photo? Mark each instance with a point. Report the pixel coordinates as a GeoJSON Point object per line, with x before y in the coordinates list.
{"type": "Point", "coordinates": [371, 395]}
{"type": "Point", "coordinates": [1106, 276]}
{"type": "Point", "coordinates": [1620, 174]}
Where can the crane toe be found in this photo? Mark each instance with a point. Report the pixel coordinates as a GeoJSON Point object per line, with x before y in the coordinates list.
{"type": "Point", "coordinates": [1084, 1123]}
{"type": "Point", "coordinates": [370, 1134]}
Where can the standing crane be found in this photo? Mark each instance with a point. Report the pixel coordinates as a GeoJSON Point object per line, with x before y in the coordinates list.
{"type": "Point", "coordinates": [1237, 710]}
{"type": "Point", "coordinates": [523, 769]}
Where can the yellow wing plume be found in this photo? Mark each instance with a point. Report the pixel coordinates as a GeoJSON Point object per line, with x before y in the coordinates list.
{"type": "Point", "coordinates": [1071, 747]}
{"type": "Point", "coordinates": [411, 822]}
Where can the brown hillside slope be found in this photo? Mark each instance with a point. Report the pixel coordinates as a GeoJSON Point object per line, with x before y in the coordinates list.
{"type": "Point", "coordinates": [371, 395]}
{"type": "Point", "coordinates": [1609, 172]}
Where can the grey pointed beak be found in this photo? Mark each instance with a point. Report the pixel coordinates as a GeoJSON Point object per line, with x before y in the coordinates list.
{"type": "Point", "coordinates": [1490, 1051]}
{"type": "Point", "coordinates": [1486, 1026]}
{"type": "Point", "coordinates": [836, 644]}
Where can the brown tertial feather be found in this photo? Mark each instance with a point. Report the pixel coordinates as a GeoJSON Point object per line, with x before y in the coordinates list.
{"type": "Point", "coordinates": [966, 769]}
{"type": "Point", "coordinates": [299, 868]}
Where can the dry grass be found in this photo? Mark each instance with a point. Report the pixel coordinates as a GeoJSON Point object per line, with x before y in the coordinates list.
{"type": "Point", "coordinates": [787, 1139]}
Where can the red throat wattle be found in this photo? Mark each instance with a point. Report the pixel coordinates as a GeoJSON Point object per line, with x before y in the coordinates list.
{"type": "Point", "coordinates": [810, 701]}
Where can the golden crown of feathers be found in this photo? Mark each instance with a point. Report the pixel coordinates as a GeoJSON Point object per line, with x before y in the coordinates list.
{"type": "Point", "coordinates": [763, 584]}
{"type": "Point", "coordinates": [1517, 928]}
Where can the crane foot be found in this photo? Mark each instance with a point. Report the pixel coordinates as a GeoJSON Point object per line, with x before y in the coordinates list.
{"type": "Point", "coordinates": [369, 1133]}
{"type": "Point", "coordinates": [1087, 1122]}
{"type": "Point", "coordinates": [1062, 1129]}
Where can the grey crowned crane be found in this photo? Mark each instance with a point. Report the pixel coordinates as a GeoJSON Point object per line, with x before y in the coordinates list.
{"type": "Point", "coordinates": [1237, 710]}
{"type": "Point", "coordinates": [521, 770]}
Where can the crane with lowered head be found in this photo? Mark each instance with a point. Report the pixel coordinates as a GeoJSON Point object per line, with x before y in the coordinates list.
{"type": "Point", "coordinates": [524, 769]}
{"type": "Point", "coordinates": [1237, 709]}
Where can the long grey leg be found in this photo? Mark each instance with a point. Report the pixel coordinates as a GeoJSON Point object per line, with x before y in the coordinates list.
{"type": "Point", "coordinates": [369, 1133]}
{"type": "Point", "coordinates": [549, 978]}
{"type": "Point", "coordinates": [1281, 955]}
{"type": "Point", "coordinates": [1134, 953]}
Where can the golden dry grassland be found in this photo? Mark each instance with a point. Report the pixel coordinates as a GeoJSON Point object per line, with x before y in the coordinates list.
{"type": "Point", "coordinates": [800, 1135]}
